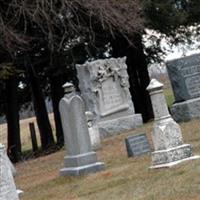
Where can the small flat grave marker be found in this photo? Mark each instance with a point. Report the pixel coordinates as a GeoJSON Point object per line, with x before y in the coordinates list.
{"type": "Point", "coordinates": [137, 145]}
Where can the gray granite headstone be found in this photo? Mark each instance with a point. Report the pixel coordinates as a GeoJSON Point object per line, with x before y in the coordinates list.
{"type": "Point", "coordinates": [105, 89]}
{"type": "Point", "coordinates": [137, 145]}
{"type": "Point", "coordinates": [184, 74]}
{"type": "Point", "coordinates": [7, 186]}
{"type": "Point", "coordinates": [80, 159]}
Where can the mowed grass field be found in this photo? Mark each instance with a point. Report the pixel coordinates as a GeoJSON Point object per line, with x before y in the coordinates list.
{"type": "Point", "coordinates": [25, 132]}
{"type": "Point", "coordinates": [123, 179]}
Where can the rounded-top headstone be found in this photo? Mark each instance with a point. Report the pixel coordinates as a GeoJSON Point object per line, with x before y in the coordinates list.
{"type": "Point", "coordinates": [154, 85]}
{"type": "Point", "coordinates": [68, 87]}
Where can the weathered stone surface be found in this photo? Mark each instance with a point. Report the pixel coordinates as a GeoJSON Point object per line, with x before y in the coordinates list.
{"type": "Point", "coordinates": [171, 154]}
{"type": "Point", "coordinates": [93, 131]}
{"type": "Point", "coordinates": [13, 170]}
{"type": "Point", "coordinates": [186, 110]}
{"type": "Point", "coordinates": [119, 125]}
{"type": "Point", "coordinates": [105, 89]}
{"type": "Point", "coordinates": [7, 186]}
{"type": "Point", "coordinates": [80, 158]}
{"type": "Point", "coordinates": [184, 75]}
{"type": "Point", "coordinates": [167, 136]}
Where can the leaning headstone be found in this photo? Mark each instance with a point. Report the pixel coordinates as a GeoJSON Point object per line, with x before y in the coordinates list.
{"type": "Point", "coordinates": [105, 89]}
{"type": "Point", "coordinates": [169, 148]}
{"type": "Point", "coordinates": [137, 145]}
{"type": "Point", "coordinates": [80, 158]}
{"type": "Point", "coordinates": [93, 131]}
{"type": "Point", "coordinates": [184, 75]}
{"type": "Point", "coordinates": [7, 186]}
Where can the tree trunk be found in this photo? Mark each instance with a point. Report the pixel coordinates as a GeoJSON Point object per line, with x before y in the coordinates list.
{"type": "Point", "coordinates": [138, 73]}
{"type": "Point", "coordinates": [56, 94]}
{"type": "Point", "coordinates": [42, 118]}
{"type": "Point", "coordinates": [12, 116]}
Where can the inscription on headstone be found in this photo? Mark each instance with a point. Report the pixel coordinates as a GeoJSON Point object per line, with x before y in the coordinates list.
{"type": "Point", "coordinates": [184, 74]}
{"type": "Point", "coordinates": [112, 97]}
{"type": "Point", "coordinates": [137, 145]}
{"type": "Point", "coordinates": [193, 85]}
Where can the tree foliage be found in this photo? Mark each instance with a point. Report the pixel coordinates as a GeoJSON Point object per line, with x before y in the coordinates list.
{"type": "Point", "coordinates": [57, 22]}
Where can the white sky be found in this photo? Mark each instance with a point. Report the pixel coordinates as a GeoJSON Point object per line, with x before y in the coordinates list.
{"type": "Point", "coordinates": [173, 52]}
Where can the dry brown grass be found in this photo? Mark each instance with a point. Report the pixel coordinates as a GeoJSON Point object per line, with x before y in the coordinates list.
{"type": "Point", "coordinates": [124, 178]}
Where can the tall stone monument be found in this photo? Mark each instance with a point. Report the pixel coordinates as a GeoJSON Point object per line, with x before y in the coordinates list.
{"type": "Point", "coordinates": [169, 148]}
{"type": "Point", "coordinates": [105, 88]}
{"type": "Point", "coordinates": [184, 75]}
{"type": "Point", "coordinates": [80, 158]}
{"type": "Point", "coordinates": [7, 186]}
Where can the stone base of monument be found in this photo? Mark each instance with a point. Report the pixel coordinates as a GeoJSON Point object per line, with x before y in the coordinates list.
{"type": "Point", "coordinates": [118, 125]}
{"type": "Point", "coordinates": [187, 110]}
{"type": "Point", "coordinates": [81, 164]}
{"type": "Point", "coordinates": [172, 156]}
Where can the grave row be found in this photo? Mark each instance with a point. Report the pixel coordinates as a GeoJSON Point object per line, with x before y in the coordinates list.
{"type": "Point", "coordinates": [105, 108]}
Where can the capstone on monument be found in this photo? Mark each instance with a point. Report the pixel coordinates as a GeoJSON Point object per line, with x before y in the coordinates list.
{"type": "Point", "coordinates": [80, 158]}
{"type": "Point", "coordinates": [105, 89]}
{"type": "Point", "coordinates": [184, 75]}
{"type": "Point", "coordinates": [169, 148]}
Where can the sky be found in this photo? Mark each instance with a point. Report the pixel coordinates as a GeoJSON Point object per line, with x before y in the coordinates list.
{"type": "Point", "coordinates": [172, 51]}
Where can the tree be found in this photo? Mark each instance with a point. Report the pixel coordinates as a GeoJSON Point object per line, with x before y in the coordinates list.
{"type": "Point", "coordinates": [64, 27]}
{"type": "Point", "coordinates": [178, 20]}
{"type": "Point", "coordinates": [46, 135]}
{"type": "Point", "coordinates": [11, 107]}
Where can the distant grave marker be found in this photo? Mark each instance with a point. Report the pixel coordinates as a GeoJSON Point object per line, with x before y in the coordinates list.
{"type": "Point", "coordinates": [137, 145]}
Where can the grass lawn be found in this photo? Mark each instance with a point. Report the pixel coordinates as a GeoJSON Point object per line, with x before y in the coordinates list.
{"type": "Point", "coordinates": [169, 96]}
{"type": "Point", "coordinates": [123, 179]}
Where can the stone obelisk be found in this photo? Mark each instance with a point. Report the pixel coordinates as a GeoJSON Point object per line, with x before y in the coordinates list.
{"type": "Point", "coordinates": [167, 137]}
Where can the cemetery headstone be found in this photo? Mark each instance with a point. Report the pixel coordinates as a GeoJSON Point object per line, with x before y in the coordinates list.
{"type": "Point", "coordinates": [105, 89]}
{"type": "Point", "coordinates": [80, 158]}
{"type": "Point", "coordinates": [93, 131]}
{"type": "Point", "coordinates": [137, 145]}
{"type": "Point", "coordinates": [184, 74]}
{"type": "Point", "coordinates": [169, 148]}
{"type": "Point", "coordinates": [7, 186]}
